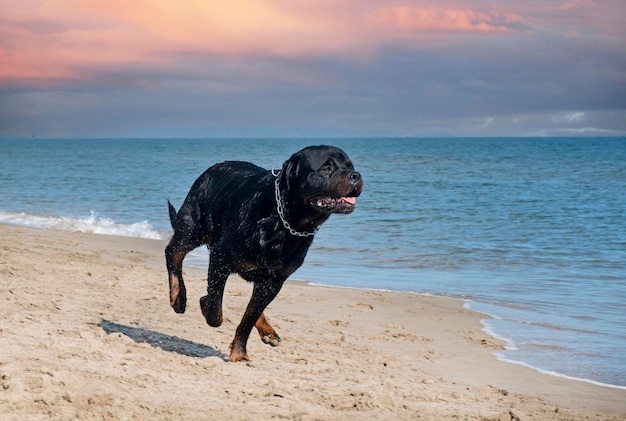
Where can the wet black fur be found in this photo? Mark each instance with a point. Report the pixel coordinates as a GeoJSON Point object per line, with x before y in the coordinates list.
{"type": "Point", "coordinates": [232, 209]}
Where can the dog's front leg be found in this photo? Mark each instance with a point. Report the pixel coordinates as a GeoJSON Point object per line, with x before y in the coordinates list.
{"type": "Point", "coordinates": [211, 304]}
{"type": "Point", "coordinates": [178, 294]}
{"type": "Point", "coordinates": [262, 295]}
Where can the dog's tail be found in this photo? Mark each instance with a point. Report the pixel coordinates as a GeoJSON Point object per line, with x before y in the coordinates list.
{"type": "Point", "coordinates": [173, 214]}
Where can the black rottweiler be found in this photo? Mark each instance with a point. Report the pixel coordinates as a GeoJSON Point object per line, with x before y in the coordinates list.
{"type": "Point", "coordinates": [259, 224]}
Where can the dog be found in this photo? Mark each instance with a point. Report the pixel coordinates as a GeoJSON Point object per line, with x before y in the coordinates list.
{"type": "Point", "coordinates": [259, 224]}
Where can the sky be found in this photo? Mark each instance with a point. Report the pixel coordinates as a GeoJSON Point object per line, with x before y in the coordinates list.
{"type": "Point", "coordinates": [312, 68]}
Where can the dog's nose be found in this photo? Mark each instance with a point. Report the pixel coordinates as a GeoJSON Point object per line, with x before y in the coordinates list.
{"type": "Point", "coordinates": [354, 176]}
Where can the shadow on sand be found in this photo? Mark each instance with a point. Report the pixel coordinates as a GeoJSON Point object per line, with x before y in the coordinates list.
{"type": "Point", "coordinates": [165, 342]}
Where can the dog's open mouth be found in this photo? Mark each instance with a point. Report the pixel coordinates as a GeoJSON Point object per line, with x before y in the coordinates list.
{"type": "Point", "coordinates": [331, 205]}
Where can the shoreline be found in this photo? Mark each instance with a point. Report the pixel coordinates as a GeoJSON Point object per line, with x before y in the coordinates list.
{"type": "Point", "coordinates": [484, 328]}
{"type": "Point", "coordinates": [104, 226]}
{"type": "Point", "coordinates": [86, 331]}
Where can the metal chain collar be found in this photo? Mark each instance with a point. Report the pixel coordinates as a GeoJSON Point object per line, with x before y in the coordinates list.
{"type": "Point", "coordinates": [280, 205]}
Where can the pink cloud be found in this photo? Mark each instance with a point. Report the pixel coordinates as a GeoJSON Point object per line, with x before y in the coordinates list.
{"type": "Point", "coordinates": [65, 39]}
{"type": "Point", "coordinates": [446, 20]}
{"type": "Point", "coordinates": [54, 39]}
{"type": "Point", "coordinates": [576, 4]}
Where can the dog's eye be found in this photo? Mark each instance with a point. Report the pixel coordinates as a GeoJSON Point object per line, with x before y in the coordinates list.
{"type": "Point", "coordinates": [327, 169]}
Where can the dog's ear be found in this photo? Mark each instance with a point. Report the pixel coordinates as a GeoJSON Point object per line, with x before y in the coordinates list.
{"type": "Point", "coordinates": [290, 171]}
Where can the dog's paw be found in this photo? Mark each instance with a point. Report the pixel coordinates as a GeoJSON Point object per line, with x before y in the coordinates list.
{"type": "Point", "coordinates": [237, 353]}
{"type": "Point", "coordinates": [212, 315]}
{"type": "Point", "coordinates": [271, 339]}
{"type": "Point", "coordinates": [179, 301]}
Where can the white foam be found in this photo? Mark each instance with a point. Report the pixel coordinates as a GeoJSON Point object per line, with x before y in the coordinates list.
{"type": "Point", "coordinates": [510, 346]}
{"type": "Point", "coordinates": [500, 357]}
{"type": "Point", "coordinates": [92, 224]}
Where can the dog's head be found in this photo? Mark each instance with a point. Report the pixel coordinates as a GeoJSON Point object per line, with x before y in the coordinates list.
{"type": "Point", "coordinates": [322, 179]}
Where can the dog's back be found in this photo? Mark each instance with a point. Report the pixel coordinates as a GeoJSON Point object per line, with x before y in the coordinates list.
{"type": "Point", "coordinates": [218, 197]}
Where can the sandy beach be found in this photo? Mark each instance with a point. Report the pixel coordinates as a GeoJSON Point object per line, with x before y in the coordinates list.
{"type": "Point", "coordinates": [86, 332]}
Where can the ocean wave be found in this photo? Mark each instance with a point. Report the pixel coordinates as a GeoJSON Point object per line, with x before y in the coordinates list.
{"type": "Point", "coordinates": [92, 224]}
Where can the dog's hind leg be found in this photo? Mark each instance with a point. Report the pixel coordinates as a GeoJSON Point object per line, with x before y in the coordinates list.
{"type": "Point", "coordinates": [267, 332]}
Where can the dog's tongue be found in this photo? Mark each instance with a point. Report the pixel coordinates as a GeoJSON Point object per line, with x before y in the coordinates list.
{"type": "Point", "coordinates": [351, 200]}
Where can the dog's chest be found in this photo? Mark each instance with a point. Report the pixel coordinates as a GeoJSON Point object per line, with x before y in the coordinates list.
{"type": "Point", "coordinates": [271, 255]}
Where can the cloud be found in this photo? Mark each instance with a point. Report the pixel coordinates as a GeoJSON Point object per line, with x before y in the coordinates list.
{"type": "Point", "coordinates": [592, 131]}
{"type": "Point", "coordinates": [445, 20]}
{"type": "Point", "coordinates": [576, 4]}
{"type": "Point", "coordinates": [57, 40]}
{"type": "Point", "coordinates": [569, 116]}
{"type": "Point", "coordinates": [71, 67]}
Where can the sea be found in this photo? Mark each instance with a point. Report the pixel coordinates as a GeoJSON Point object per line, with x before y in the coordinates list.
{"type": "Point", "coordinates": [529, 231]}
